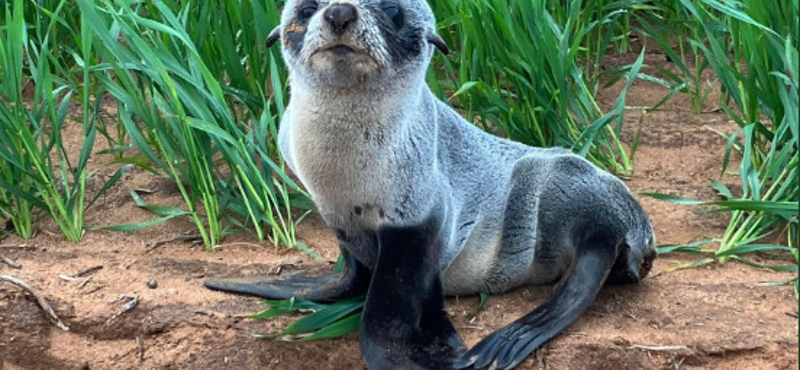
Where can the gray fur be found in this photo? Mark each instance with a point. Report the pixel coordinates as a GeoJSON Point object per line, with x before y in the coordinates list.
{"type": "Point", "coordinates": [386, 145]}
{"type": "Point", "coordinates": [385, 162]}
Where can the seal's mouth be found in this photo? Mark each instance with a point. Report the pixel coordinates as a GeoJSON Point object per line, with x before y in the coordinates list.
{"type": "Point", "coordinates": [340, 49]}
{"type": "Point", "coordinates": [343, 58]}
{"type": "Point", "coordinates": [342, 53]}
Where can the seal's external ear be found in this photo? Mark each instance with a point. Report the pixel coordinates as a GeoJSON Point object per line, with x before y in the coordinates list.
{"type": "Point", "coordinates": [438, 42]}
{"type": "Point", "coordinates": [274, 36]}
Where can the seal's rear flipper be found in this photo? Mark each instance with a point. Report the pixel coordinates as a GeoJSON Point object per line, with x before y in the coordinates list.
{"type": "Point", "coordinates": [510, 345]}
{"type": "Point", "coordinates": [352, 282]}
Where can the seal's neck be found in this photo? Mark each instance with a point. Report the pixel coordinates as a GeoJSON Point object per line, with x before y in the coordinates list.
{"type": "Point", "coordinates": [353, 107]}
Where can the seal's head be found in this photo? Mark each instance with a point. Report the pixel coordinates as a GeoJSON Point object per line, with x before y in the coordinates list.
{"type": "Point", "coordinates": [343, 43]}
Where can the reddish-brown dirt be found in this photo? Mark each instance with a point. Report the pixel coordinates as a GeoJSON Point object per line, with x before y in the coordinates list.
{"type": "Point", "coordinates": [712, 317]}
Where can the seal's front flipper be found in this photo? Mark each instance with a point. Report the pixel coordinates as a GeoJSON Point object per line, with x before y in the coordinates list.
{"type": "Point", "coordinates": [353, 281]}
{"type": "Point", "coordinates": [509, 346]}
{"type": "Point", "coordinates": [404, 324]}
{"type": "Point", "coordinates": [394, 342]}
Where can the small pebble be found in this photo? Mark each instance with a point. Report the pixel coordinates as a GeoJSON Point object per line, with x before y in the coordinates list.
{"type": "Point", "coordinates": [152, 284]}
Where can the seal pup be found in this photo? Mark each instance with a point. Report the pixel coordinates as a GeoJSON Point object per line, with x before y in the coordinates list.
{"type": "Point", "coordinates": [424, 204]}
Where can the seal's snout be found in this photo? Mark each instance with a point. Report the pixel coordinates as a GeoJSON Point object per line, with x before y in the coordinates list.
{"type": "Point", "coordinates": [340, 16]}
{"type": "Point", "coordinates": [344, 43]}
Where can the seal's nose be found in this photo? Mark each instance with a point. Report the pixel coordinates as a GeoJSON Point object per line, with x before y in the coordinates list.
{"type": "Point", "coordinates": [340, 16]}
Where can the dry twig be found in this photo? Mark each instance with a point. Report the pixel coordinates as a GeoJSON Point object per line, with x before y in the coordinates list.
{"type": "Point", "coordinates": [87, 271]}
{"type": "Point", "coordinates": [140, 343]}
{"type": "Point", "coordinates": [95, 289]}
{"type": "Point", "coordinates": [39, 299]}
{"type": "Point", "coordinates": [127, 307]}
{"type": "Point", "coordinates": [183, 237]}
{"type": "Point", "coordinates": [659, 348]}
{"type": "Point", "coordinates": [86, 281]}
{"type": "Point", "coordinates": [276, 270]}
{"type": "Point", "coordinates": [13, 246]}
{"type": "Point", "coordinates": [539, 359]}
{"type": "Point", "coordinates": [10, 262]}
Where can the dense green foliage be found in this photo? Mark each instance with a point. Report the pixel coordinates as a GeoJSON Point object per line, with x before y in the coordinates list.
{"type": "Point", "coordinates": [752, 46]}
{"type": "Point", "coordinates": [198, 99]}
{"type": "Point", "coordinates": [198, 106]}
{"type": "Point", "coordinates": [528, 70]}
{"type": "Point", "coordinates": [37, 171]}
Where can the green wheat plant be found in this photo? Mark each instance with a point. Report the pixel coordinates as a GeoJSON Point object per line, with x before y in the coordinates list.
{"type": "Point", "coordinates": [323, 321]}
{"type": "Point", "coordinates": [672, 26]}
{"type": "Point", "coordinates": [604, 25]}
{"type": "Point", "coordinates": [753, 48]}
{"type": "Point", "coordinates": [192, 111]}
{"type": "Point", "coordinates": [17, 190]}
{"type": "Point", "coordinates": [38, 171]}
{"type": "Point", "coordinates": [520, 72]}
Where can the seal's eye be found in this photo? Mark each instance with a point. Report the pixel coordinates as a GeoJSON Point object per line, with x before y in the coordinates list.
{"type": "Point", "coordinates": [307, 10]}
{"type": "Point", "coordinates": [393, 12]}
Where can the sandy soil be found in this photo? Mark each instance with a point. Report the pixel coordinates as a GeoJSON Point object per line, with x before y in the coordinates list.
{"type": "Point", "coordinates": [713, 317]}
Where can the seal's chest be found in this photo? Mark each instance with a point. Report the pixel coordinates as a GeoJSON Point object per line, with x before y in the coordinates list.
{"type": "Point", "coordinates": [343, 172]}
{"type": "Point", "coordinates": [349, 202]}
